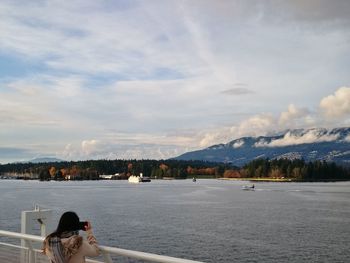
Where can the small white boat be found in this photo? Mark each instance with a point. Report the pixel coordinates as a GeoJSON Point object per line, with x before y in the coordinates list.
{"type": "Point", "coordinates": [138, 179]}
{"type": "Point", "coordinates": [134, 179]}
{"type": "Point", "coordinates": [248, 188]}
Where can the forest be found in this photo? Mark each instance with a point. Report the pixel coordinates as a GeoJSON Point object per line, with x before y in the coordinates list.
{"type": "Point", "coordinates": [121, 169]}
{"type": "Point", "coordinates": [296, 170]}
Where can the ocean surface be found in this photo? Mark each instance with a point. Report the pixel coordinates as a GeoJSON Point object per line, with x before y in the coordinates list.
{"type": "Point", "coordinates": [210, 220]}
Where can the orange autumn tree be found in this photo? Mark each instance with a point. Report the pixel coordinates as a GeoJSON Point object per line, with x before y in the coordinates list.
{"type": "Point", "coordinates": [232, 174]}
{"type": "Point", "coordinates": [130, 170]}
{"type": "Point", "coordinates": [164, 170]}
{"type": "Point", "coordinates": [200, 171]}
{"type": "Point", "coordinates": [74, 171]}
{"type": "Point", "coordinates": [64, 173]}
{"type": "Point", "coordinates": [52, 171]}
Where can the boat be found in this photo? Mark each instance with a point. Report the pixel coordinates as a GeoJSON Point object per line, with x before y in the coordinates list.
{"type": "Point", "coordinates": [248, 188]}
{"type": "Point", "coordinates": [138, 179]}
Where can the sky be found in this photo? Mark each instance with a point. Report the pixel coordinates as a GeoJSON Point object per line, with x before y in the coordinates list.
{"type": "Point", "coordinates": [154, 79]}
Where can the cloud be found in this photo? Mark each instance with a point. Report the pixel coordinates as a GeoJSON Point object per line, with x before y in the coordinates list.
{"type": "Point", "coordinates": [237, 91]}
{"type": "Point", "coordinates": [135, 75]}
{"type": "Point", "coordinates": [144, 151]}
{"type": "Point", "coordinates": [87, 149]}
{"type": "Point", "coordinates": [113, 143]}
{"type": "Point", "coordinates": [289, 138]}
{"type": "Point", "coordinates": [212, 137]}
{"type": "Point", "coordinates": [99, 42]}
{"type": "Point", "coordinates": [89, 146]}
{"type": "Point", "coordinates": [91, 149]}
{"type": "Point", "coordinates": [318, 11]}
{"type": "Point", "coordinates": [238, 144]}
{"type": "Point", "coordinates": [269, 124]}
{"type": "Point", "coordinates": [11, 151]}
{"type": "Point", "coordinates": [257, 125]}
{"type": "Point", "coordinates": [253, 126]}
{"type": "Point", "coordinates": [347, 139]}
{"type": "Point", "coordinates": [337, 105]}
{"type": "Point", "coordinates": [43, 101]}
{"type": "Point", "coordinates": [68, 153]}
{"type": "Point", "coordinates": [293, 113]}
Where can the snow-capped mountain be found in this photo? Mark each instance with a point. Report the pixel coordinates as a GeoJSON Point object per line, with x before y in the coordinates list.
{"type": "Point", "coordinates": [308, 144]}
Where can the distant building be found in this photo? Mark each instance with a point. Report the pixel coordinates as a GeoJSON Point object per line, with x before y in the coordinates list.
{"type": "Point", "coordinates": [30, 176]}
{"type": "Point", "coordinates": [108, 176]}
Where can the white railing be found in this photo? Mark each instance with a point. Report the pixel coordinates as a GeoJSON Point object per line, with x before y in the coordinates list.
{"type": "Point", "coordinates": [33, 255]}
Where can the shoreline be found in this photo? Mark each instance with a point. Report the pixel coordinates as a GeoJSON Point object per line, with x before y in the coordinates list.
{"type": "Point", "coordinates": [253, 179]}
{"type": "Point", "coordinates": [260, 179]}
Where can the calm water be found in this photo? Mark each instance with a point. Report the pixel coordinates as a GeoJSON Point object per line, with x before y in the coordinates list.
{"type": "Point", "coordinates": [211, 220]}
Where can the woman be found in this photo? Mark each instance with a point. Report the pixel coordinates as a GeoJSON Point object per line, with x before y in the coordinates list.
{"type": "Point", "coordinates": [65, 245]}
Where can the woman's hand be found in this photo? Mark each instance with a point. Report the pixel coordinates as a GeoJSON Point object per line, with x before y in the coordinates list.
{"type": "Point", "coordinates": [88, 227]}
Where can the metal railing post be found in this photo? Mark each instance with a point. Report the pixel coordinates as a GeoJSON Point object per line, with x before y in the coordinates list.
{"type": "Point", "coordinates": [31, 252]}
{"type": "Point", "coordinates": [107, 257]}
{"type": "Point", "coordinates": [30, 219]}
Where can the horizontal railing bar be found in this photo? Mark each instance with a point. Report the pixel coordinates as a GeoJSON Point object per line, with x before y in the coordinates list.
{"type": "Point", "coordinates": [110, 250]}
{"type": "Point", "coordinates": [12, 245]}
{"type": "Point", "coordinates": [144, 255]}
{"type": "Point", "coordinates": [21, 236]}
{"type": "Point", "coordinates": [93, 261]}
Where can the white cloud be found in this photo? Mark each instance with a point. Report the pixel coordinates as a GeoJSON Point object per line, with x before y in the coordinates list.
{"type": "Point", "coordinates": [311, 136]}
{"type": "Point", "coordinates": [337, 105]}
{"type": "Point", "coordinates": [96, 42]}
{"type": "Point", "coordinates": [68, 152]}
{"type": "Point", "coordinates": [89, 146]}
{"type": "Point", "coordinates": [45, 100]}
{"type": "Point", "coordinates": [92, 149]}
{"type": "Point", "coordinates": [214, 137]}
{"type": "Point", "coordinates": [257, 125]}
{"type": "Point", "coordinates": [253, 126]}
{"type": "Point", "coordinates": [292, 114]}
{"type": "Point", "coordinates": [238, 144]}
{"type": "Point", "coordinates": [347, 139]}
{"type": "Point", "coordinates": [264, 124]}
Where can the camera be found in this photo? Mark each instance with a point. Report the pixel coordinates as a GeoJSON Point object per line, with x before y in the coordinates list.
{"type": "Point", "coordinates": [83, 225]}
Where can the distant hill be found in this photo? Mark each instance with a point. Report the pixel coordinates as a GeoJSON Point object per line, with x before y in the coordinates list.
{"type": "Point", "coordinates": [308, 144]}
{"type": "Point", "coordinates": [45, 160]}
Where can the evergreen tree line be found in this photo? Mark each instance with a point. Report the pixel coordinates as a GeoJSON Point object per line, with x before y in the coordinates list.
{"type": "Point", "coordinates": [92, 169]}
{"type": "Point", "coordinates": [297, 169]}
{"type": "Point", "coordinates": [261, 168]}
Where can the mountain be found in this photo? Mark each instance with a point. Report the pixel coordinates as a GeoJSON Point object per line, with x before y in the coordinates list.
{"type": "Point", "coordinates": [308, 144]}
{"type": "Point", "coordinates": [45, 160]}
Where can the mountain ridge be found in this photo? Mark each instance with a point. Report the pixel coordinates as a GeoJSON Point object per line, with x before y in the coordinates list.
{"type": "Point", "coordinates": [45, 160]}
{"type": "Point", "coordinates": [331, 145]}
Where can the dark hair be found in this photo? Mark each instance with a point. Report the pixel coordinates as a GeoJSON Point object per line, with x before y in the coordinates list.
{"type": "Point", "coordinates": [69, 221]}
